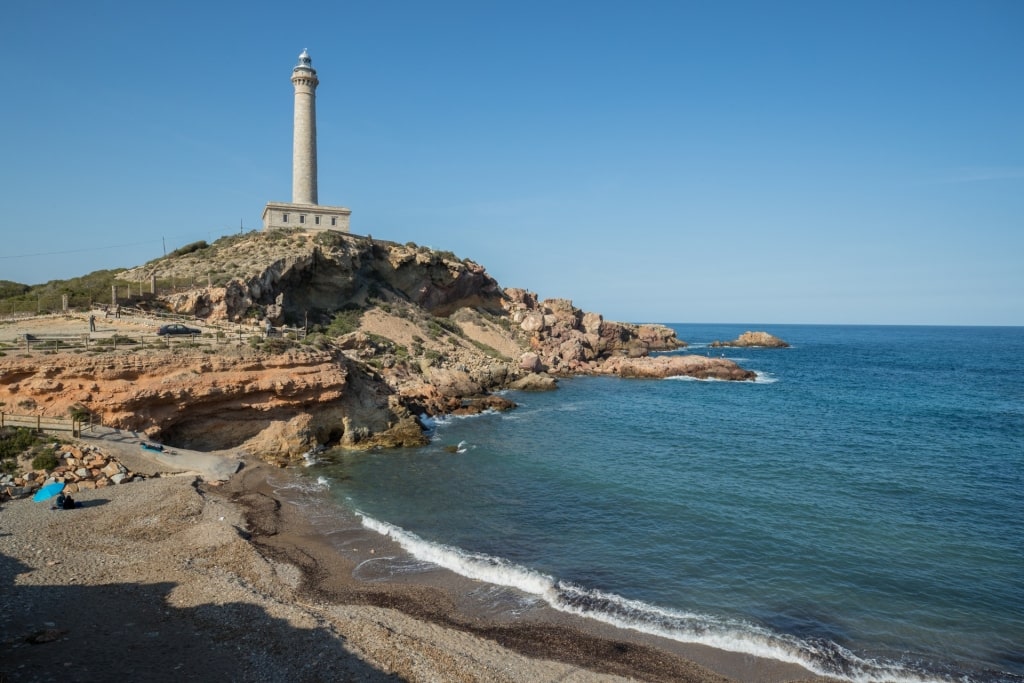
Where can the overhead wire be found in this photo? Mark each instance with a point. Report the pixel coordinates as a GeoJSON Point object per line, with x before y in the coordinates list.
{"type": "Point", "coordinates": [77, 251]}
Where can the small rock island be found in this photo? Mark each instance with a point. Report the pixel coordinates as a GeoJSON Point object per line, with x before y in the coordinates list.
{"type": "Point", "coordinates": [748, 339]}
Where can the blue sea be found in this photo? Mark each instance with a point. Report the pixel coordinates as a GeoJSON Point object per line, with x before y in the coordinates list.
{"type": "Point", "coordinates": [858, 509]}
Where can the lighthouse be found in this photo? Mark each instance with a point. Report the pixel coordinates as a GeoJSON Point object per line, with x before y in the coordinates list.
{"type": "Point", "coordinates": [304, 134]}
{"type": "Point", "coordinates": [303, 211]}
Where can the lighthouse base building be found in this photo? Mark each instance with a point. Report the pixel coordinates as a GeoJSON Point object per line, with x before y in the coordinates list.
{"type": "Point", "coordinates": [306, 216]}
{"type": "Point", "coordinates": [304, 212]}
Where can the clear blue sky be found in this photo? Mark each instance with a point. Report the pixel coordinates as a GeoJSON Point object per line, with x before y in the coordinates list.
{"type": "Point", "coordinates": [761, 162]}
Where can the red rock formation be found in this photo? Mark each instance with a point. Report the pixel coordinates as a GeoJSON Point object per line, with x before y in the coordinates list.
{"type": "Point", "coordinates": [284, 403]}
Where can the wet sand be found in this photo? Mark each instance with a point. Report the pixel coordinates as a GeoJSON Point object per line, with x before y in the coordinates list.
{"type": "Point", "coordinates": [340, 570]}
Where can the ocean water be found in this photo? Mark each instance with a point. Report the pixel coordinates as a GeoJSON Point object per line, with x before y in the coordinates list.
{"type": "Point", "coordinates": [859, 509]}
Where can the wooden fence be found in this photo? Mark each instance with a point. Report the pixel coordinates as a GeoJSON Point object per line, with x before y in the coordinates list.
{"type": "Point", "coordinates": [40, 423]}
{"type": "Point", "coordinates": [68, 342]}
{"type": "Point", "coordinates": [234, 334]}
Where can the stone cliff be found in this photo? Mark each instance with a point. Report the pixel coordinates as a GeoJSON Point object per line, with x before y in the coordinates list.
{"type": "Point", "coordinates": [395, 332]}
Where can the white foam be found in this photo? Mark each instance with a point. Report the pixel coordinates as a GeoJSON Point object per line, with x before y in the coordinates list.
{"type": "Point", "coordinates": [724, 634]}
{"type": "Point", "coordinates": [687, 378]}
{"type": "Point", "coordinates": [764, 378]}
{"type": "Point", "coordinates": [304, 485]}
{"type": "Point", "coordinates": [311, 457]}
{"type": "Point", "coordinates": [477, 566]}
{"type": "Point", "coordinates": [443, 420]}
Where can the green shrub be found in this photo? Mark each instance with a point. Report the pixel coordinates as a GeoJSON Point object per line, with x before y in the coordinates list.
{"type": "Point", "coordinates": [116, 340]}
{"type": "Point", "coordinates": [15, 441]}
{"type": "Point", "coordinates": [489, 350]}
{"type": "Point", "coordinates": [329, 238]}
{"type": "Point", "coordinates": [277, 345]}
{"type": "Point", "coordinates": [79, 412]}
{"type": "Point", "coordinates": [189, 248]}
{"type": "Point", "coordinates": [10, 289]}
{"type": "Point", "coordinates": [344, 322]}
{"type": "Point", "coordinates": [437, 327]}
{"type": "Point", "coordinates": [47, 460]}
{"type": "Point", "coordinates": [317, 341]}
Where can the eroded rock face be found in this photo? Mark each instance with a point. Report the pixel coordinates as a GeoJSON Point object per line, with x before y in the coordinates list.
{"type": "Point", "coordinates": [320, 277]}
{"type": "Point", "coordinates": [285, 403]}
{"type": "Point", "coordinates": [753, 339]}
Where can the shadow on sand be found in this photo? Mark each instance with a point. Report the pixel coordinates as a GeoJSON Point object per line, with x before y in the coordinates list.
{"type": "Point", "coordinates": [130, 632]}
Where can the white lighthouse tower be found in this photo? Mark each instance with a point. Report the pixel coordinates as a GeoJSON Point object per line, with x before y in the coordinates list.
{"type": "Point", "coordinates": [303, 211]}
{"type": "Point", "coordinates": [304, 140]}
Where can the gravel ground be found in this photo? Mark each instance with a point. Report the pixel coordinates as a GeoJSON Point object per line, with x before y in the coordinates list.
{"type": "Point", "coordinates": [157, 581]}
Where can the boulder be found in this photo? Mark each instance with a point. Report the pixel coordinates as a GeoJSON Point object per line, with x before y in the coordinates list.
{"type": "Point", "coordinates": [535, 382]}
{"type": "Point", "coordinates": [530, 362]}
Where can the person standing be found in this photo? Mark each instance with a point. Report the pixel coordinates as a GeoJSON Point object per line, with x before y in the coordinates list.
{"type": "Point", "coordinates": [92, 323]}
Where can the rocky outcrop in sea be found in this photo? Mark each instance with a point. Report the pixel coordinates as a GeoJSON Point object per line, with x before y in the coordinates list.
{"type": "Point", "coordinates": [747, 339]}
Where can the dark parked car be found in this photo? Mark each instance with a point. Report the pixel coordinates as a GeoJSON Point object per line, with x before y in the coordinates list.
{"type": "Point", "coordinates": [177, 328]}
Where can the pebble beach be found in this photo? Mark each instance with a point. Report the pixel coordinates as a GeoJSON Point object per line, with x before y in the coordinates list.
{"type": "Point", "coordinates": [177, 577]}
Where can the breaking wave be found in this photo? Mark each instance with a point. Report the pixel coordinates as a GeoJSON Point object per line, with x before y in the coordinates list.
{"type": "Point", "coordinates": [819, 655]}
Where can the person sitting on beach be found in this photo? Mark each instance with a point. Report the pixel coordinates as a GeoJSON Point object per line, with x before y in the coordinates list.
{"type": "Point", "coordinates": [59, 504]}
{"type": "Point", "coordinates": [69, 503]}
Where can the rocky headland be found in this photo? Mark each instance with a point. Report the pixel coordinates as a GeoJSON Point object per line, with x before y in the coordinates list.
{"type": "Point", "coordinates": [369, 336]}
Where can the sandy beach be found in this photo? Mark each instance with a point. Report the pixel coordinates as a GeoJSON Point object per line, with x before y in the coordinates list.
{"type": "Point", "coordinates": [184, 577]}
